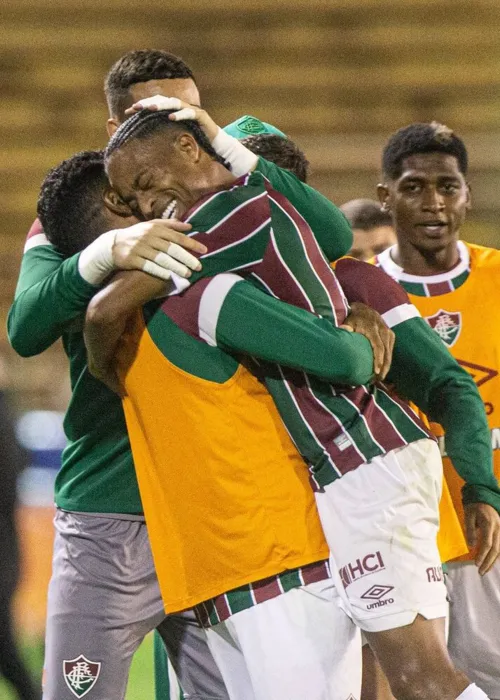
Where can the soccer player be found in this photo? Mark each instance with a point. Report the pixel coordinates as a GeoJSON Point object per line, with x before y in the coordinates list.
{"type": "Point", "coordinates": [426, 192]}
{"type": "Point", "coordinates": [232, 521]}
{"type": "Point", "coordinates": [451, 541]}
{"type": "Point", "coordinates": [104, 595]}
{"type": "Point", "coordinates": [364, 434]}
{"type": "Point", "coordinates": [371, 228]}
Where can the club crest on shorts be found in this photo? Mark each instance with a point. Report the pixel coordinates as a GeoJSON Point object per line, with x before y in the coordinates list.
{"type": "Point", "coordinates": [447, 325]}
{"type": "Point", "coordinates": [81, 675]}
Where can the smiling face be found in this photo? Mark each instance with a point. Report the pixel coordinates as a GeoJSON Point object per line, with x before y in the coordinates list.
{"type": "Point", "coordinates": [428, 201]}
{"type": "Point", "coordinates": [160, 176]}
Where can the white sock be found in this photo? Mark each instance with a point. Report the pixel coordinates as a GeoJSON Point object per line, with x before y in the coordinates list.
{"type": "Point", "coordinates": [472, 692]}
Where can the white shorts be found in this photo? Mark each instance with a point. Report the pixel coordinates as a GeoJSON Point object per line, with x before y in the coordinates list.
{"type": "Point", "coordinates": [296, 646]}
{"type": "Point", "coordinates": [381, 522]}
{"type": "Point", "coordinates": [474, 636]}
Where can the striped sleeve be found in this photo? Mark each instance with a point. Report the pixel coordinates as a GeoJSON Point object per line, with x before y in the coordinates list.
{"type": "Point", "coordinates": [230, 313]}
{"type": "Point", "coordinates": [254, 230]}
{"type": "Point", "coordinates": [370, 285]}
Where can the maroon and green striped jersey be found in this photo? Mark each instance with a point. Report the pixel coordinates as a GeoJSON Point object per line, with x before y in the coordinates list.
{"type": "Point", "coordinates": [251, 229]}
{"type": "Point", "coordinates": [335, 428]}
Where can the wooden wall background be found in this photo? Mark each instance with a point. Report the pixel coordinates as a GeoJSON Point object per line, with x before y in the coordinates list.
{"type": "Point", "coordinates": [338, 76]}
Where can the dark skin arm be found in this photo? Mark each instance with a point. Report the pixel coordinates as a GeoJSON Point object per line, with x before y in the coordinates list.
{"type": "Point", "coordinates": [107, 316]}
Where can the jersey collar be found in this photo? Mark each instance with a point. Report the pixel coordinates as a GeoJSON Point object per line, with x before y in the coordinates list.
{"type": "Point", "coordinates": [432, 285]}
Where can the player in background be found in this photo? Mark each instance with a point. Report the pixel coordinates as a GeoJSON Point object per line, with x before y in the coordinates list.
{"type": "Point", "coordinates": [371, 228]}
{"type": "Point", "coordinates": [455, 286]}
{"type": "Point", "coordinates": [102, 560]}
{"type": "Point", "coordinates": [451, 542]}
{"type": "Point", "coordinates": [177, 170]}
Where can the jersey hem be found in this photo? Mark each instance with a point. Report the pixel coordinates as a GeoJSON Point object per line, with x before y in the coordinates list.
{"type": "Point", "coordinates": [179, 604]}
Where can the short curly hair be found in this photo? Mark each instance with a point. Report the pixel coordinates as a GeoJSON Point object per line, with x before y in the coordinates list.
{"type": "Point", "coordinates": [140, 66]}
{"type": "Point", "coordinates": [147, 123]}
{"type": "Point", "coordinates": [70, 205]}
{"type": "Point", "coordinates": [421, 138]}
{"type": "Point", "coordinates": [282, 151]}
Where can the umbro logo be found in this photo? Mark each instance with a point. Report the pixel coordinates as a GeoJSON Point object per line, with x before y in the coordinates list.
{"type": "Point", "coordinates": [377, 592]}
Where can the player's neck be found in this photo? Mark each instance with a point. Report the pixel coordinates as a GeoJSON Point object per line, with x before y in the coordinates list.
{"type": "Point", "coordinates": [425, 263]}
{"type": "Point", "coordinates": [216, 177]}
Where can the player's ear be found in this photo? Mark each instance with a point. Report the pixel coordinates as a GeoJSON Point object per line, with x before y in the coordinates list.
{"type": "Point", "coordinates": [468, 206]}
{"type": "Point", "coordinates": [384, 195]}
{"type": "Point", "coordinates": [112, 125]}
{"type": "Point", "coordinates": [114, 202]}
{"type": "Point", "coordinates": [188, 146]}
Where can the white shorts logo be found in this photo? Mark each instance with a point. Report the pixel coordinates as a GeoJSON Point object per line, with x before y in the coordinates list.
{"type": "Point", "coordinates": [81, 675]}
{"type": "Point", "coordinates": [377, 593]}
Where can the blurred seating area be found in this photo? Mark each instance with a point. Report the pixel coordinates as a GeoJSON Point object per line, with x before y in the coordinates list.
{"type": "Point", "coordinates": [336, 75]}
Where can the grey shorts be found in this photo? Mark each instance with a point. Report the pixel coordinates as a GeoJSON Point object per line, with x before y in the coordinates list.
{"type": "Point", "coordinates": [474, 633]}
{"type": "Point", "coordinates": [103, 599]}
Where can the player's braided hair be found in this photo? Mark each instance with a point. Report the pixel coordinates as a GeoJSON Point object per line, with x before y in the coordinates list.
{"type": "Point", "coordinates": [140, 66]}
{"type": "Point", "coordinates": [282, 151]}
{"type": "Point", "coordinates": [421, 138]}
{"type": "Point", "coordinates": [145, 124]}
{"type": "Point", "coordinates": [70, 204]}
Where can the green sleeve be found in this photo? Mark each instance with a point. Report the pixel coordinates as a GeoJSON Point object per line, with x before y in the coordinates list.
{"type": "Point", "coordinates": [426, 373]}
{"type": "Point", "coordinates": [330, 227]}
{"type": "Point", "coordinates": [50, 293]}
{"type": "Point", "coordinates": [252, 322]}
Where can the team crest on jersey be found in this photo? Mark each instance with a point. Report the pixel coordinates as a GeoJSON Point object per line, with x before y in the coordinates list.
{"type": "Point", "coordinates": [81, 675]}
{"type": "Point", "coordinates": [447, 325]}
{"type": "Point", "coordinates": [250, 125]}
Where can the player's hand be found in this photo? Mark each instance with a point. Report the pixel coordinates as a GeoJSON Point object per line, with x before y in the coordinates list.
{"type": "Point", "coordinates": [158, 247]}
{"type": "Point", "coordinates": [184, 110]}
{"type": "Point", "coordinates": [365, 320]}
{"type": "Point", "coordinates": [482, 526]}
{"type": "Point", "coordinates": [106, 375]}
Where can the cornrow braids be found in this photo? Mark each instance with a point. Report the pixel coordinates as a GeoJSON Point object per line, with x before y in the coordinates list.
{"type": "Point", "coordinates": [70, 204]}
{"type": "Point", "coordinates": [422, 138]}
{"type": "Point", "coordinates": [146, 124]}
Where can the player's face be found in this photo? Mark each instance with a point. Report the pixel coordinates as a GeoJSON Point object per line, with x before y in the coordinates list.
{"type": "Point", "coordinates": [157, 177]}
{"type": "Point", "coordinates": [183, 88]}
{"type": "Point", "coordinates": [367, 244]}
{"type": "Point", "coordinates": [428, 202]}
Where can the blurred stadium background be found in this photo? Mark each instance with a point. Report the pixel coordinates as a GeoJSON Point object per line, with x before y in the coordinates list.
{"type": "Point", "coordinates": [337, 75]}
